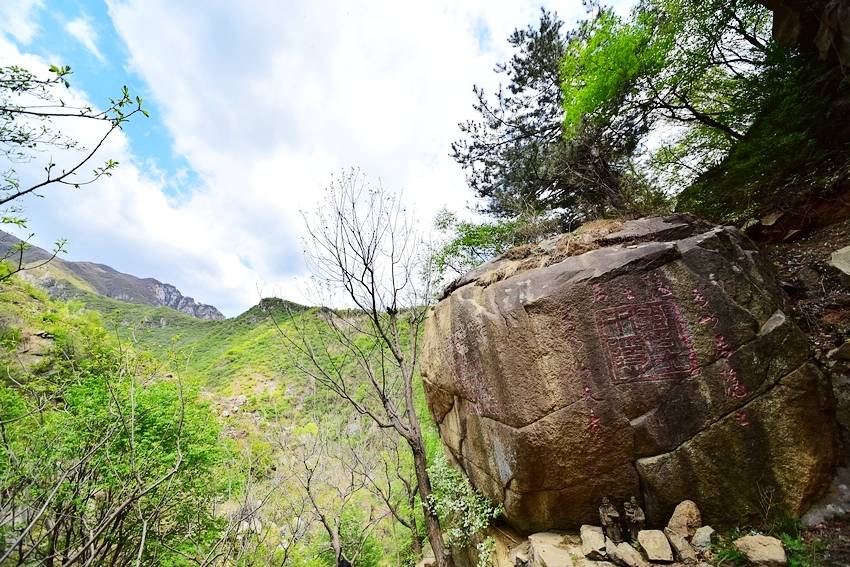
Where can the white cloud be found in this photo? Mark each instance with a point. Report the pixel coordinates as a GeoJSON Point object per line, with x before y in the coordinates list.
{"type": "Point", "coordinates": [266, 100]}
{"type": "Point", "coordinates": [18, 17]}
{"type": "Point", "coordinates": [81, 29]}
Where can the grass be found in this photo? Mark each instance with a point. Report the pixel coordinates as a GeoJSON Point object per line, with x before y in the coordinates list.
{"type": "Point", "coordinates": [800, 551]}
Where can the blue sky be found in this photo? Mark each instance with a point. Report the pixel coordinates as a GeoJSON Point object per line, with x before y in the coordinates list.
{"type": "Point", "coordinates": [254, 105]}
{"type": "Point", "coordinates": [99, 66]}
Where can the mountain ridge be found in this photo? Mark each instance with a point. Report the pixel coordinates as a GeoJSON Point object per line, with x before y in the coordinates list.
{"type": "Point", "coordinates": [61, 277]}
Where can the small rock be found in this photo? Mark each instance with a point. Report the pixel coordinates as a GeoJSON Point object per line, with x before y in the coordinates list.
{"type": "Point", "coordinates": [585, 562]}
{"type": "Point", "coordinates": [624, 554]}
{"type": "Point", "coordinates": [702, 538]}
{"type": "Point", "coordinates": [685, 519]}
{"type": "Point", "coordinates": [548, 550]}
{"type": "Point", "coordinates": [841, 259]}
{"type": "Point", "coordinates": [762, 551]}
{"type": "Point", "coordinates": [593, 542]}
{"type": "Point", "coordinates": [520, 556]}
{"type": "Point", "coordinates": [682, 550]}
{"type": "Point", "coordinates": [840, 353]}
{"type": "Point", "coordinates": [655, 546]}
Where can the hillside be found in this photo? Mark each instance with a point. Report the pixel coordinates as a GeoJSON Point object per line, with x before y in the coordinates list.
{"type": "Point", "coordinates": [228, 356]}
{"type": "Point", "coordinates": [64, 279]}
{"type": "Point", "coordinates": [244, 386]}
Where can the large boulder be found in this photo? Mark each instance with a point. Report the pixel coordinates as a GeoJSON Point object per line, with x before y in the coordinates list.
{"type": "Point", "coordinates": [657, 363]}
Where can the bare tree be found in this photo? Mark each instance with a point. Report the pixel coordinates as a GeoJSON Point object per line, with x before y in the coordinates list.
{"type": "Point", "coordinates": [389, 478]}
{"type": "Point", "coordinates": [365, 253]}
{"type": "Point", "coordinates": [331, 488]}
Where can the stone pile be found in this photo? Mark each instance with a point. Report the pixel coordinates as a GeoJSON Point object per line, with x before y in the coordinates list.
{"type": "Point", "coordinates": [675, 544]}
{"type": "Point", "coordinates": [684, 541]}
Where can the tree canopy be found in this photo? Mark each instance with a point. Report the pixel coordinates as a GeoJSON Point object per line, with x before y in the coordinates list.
{"type": "Point", "coordinates": [665, 107]}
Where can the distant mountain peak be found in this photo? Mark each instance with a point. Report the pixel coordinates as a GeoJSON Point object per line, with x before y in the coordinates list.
{"type": "Point", "coordinates": [107, 281]}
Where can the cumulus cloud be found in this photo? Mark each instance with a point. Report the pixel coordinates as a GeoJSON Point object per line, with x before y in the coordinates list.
{"type": "Point", "coordinates": [266, 100]}
{"type": "Point", "coordinates": [81, 29]}
{"type": "Point", "coordinates": [18, 17]}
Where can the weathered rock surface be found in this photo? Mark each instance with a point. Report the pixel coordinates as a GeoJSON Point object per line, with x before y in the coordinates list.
{"type": "Point", "coordinates": [592, 542]}
{"type": "Point", "coordinates": [625, 555]}
{"type": "Point", "coordinates": [660, 364]}
{"type": "Point", "coordinates": [702, 538]}
{"type": "Point", "coordinates": [686, 519]}
{"type": "Point", "coordinates": [682, 550]}
{"type": "Point", "coordinates": [548, 550]}
{"type": "Point", "coordinates": [762, 551]}
{"type": "Point", "coordinates": [841, 260]}
{"type": "Point", "coordinates": [813, 25]}
{"type": "Point", "coordinates": [655, 546]}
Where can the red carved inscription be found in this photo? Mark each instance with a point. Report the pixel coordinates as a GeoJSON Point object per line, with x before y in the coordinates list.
{"type": "Point", "coordinates": [646, 342]}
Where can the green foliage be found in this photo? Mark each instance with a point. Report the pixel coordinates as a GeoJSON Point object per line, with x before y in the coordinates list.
{"type": "Point", "coordinates": [516, 157]}
{"type": "Point", "coordinates": [469, 244]}
{"type": "Point", "coordinates": [801, 553]}
{"type": "Point", "coordinates": [486, 552]}
{"type": "Point", "coordinates": [683, 97]}
{"type": "Point", "coordinates": [602, 60]}
{"type": "Point", "coordinates": [725, 553]}
{"type": "Point", "coordinates": [95, 431]}
{"type": "Point", "coordinates": [463, 511]}
{"type": "Point", "coordinates": [797, 145]}
{"type": "Point", "coordinates": [361, 551]}
{"type": "Point", "coordinates": [647, 104]}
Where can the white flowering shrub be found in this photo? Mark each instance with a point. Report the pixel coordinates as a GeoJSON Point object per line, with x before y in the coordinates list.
{"type": "Point", "coordinates": [486, 550]}
{"type": "Point", "coordinates": [462, 510]}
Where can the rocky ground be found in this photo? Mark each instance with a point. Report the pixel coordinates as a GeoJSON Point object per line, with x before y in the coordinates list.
{"type": "Point", "coordinates": [818, 289]}
{"type": "Point", "coordinates": [812, 270]}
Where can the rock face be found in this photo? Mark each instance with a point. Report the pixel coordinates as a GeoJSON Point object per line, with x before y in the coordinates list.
{"type": "Point", "coordinates": [822, 25]}
{"type": "Point", "coordinates": [548, 550]}
{"type": "Point", "coordinates": [592, 542]}
{"type": "Point", "coordinates": [625, 555]}
{"type": "Point", "coordinates": [841, 260]}
{"type": "Point", "coordinates": [659, 364]}
{"type": "Point", "coordinates": [103, 280]}
{"type": "Point", "coordinates": [702, 538]}
{"type": "Point", "coordinates": [683, 551]}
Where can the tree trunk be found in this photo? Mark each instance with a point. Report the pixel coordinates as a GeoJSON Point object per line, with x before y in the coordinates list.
{"type": "Point", "coordinates": [416, 540]}
{"type": "Point", "coordinates": [442, 555]}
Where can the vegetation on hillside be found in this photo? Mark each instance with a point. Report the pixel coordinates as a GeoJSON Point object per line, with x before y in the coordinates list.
{"type": "Point", "coordinates": [105, 456]}
{"type": "Point", "coordinates": [269, 435]}
{"type": "Point", "coordinates": [684, 105]}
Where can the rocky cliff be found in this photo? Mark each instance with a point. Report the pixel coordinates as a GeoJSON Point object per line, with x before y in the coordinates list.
{"type": "Point", "coordinates": [652, 358]}
{"type": "Point", "coordinates": [104, 280]}
{"type": "Point", "coordinates": [813, 25]}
